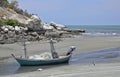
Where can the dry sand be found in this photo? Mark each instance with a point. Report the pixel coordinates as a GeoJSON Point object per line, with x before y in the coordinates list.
{"type": "Point", "coordinates": [83, 44]}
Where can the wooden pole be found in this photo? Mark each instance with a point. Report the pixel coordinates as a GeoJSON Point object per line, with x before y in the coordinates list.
{"type": "Point", "coordinates": [25, 50]}
{"type": "Point", "coordinates": [52, 47]}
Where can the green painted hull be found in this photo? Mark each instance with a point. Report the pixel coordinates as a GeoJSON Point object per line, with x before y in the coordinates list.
{"type": "Point", "coordinates": [31, 62]}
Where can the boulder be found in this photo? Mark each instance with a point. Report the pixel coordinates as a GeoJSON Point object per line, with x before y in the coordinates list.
{"type": "Point", "coordinates": [47, 26]}
{"type": "Point", "coordinates": [57, 26]}
{"type": "Point", "coordinates": [53, 34]}
{"type": "Point", "coordinates": [1, 38]}
{"type": "Point", "coordinates": [35, 25]}
{"type": "Point", "coordinates": [35, 17]}
{"type": "Point", "coordinates": [53, 24]}
{"type": "Point", "coordinates": [11, 34]}
{"type": "Point", "coordinates": [17, 28]}
{"type": "Point", "coordinates": [34, 34]}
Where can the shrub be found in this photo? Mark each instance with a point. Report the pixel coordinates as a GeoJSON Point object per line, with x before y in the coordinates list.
{"type": "Point", "coordinates": [27, 14]}
{"type": "Point", "coordinates": [2, 22]}
{"type": "Point", "coordinates": [11, 22]}
{"type": "Point", "coordinates": [4, 3]}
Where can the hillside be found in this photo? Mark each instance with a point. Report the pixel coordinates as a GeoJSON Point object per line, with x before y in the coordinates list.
{"type": "Point", "coordinates": [7, 13]}
{"type": "Point", "coordinates": [16, 25]}
{"type": "Point", "coordinates": [11, 10]}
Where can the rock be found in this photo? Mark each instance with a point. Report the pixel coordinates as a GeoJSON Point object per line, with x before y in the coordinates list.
{"type": "Point", "coordinates": [34, 23]}
{"type": "Point", "coordinates": [17, 28]}
{"type": "Point", "coordinates": [53, 34]}
{"type": "Point", "coordinates": [34, 34]}
{"type": "Point", "coordinates": [11, 28]}
{"type": "Point", "coordinates": [10, 41]}
{"type": "Point", "coordinates": [47, 26]}
{"type": "Point", "coordinates": [53, 24]}
{"type": "Point", "coordinates": [57, 26]}
{"type": "Point", "coordinates": [0, 29]}
{"type": "Point", "coordinates": [77, 31]}
{"type": "Point", "coordinates": [1, 38]}
{"type": "Point", "coordinates": [33, 29]}
{"type": "Point", "coordinates": [35, 17]}
{"type": "Point", "coordinates": [5, 36]}
{"type": "Point", "coordinates": [11, 34]}
{"type": "Point", "coordinates": [66, 35]}
{"type": "Point", "coordinates": [6, 41]}
{"type": "Point", "coordinates": [5, 30]}
{"type": "Point", "coordinates": [11, 14]}
{"type": "Point", "coordinates": [2, 42]}
{"type": "Point", "coordinates": [60, 27]}
{"type": "Point", "coordinates": [24, 28]}
{"type": "Point", "coordinates": [29, 38]}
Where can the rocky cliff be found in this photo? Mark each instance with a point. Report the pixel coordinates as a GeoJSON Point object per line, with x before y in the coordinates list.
{"type": "Point", "coordinates": [30, 28]}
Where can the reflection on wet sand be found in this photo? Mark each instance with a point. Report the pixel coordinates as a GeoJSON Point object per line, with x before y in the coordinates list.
{"type": "Point", "coordinates": [9, 66]}
{"type": "Point", "coordinates": [24, 69]}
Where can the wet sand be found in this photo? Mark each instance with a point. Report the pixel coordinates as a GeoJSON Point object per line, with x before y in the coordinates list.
{"type": "Point", "coordinates": [83, 44]}
{"type": "Point", "coordinates": [88, 70]}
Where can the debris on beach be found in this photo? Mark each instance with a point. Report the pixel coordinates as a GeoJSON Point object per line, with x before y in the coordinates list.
{"type": "Point", "coordinates": [40, 69]}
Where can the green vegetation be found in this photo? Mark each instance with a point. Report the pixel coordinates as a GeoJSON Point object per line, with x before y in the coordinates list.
{"type": "Point", "coordinates": [27, 14]}
{"type": "Point", "coordinates": [11, 22]}
{"type": "Point", "coordinates": [2, 22]}
{"type": "Point", "coordinates": [15, 7]}
{"type": "Point", "coordinates": [4, 3]}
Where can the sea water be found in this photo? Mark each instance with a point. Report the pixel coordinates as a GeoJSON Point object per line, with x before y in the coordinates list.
{"type": "Point", "coordinates": [98, 30]}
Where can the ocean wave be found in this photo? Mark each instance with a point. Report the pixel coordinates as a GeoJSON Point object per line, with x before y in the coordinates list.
{"type": "Point", "coordinates": [100, 34]}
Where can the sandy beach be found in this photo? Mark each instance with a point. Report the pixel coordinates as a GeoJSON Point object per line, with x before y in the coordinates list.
{"type": "Point", "coordinates": [86, 37]}
{"type": "Point", "coordinates": [83, 44]}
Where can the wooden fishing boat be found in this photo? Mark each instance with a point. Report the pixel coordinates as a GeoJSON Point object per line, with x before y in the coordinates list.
{"type": "Point", "coordinates": [34, 62]}
{"type": "Point", "coordinates": [56, 59]}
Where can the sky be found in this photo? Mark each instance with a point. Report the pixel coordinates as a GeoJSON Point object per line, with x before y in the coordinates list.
{"type": "Point", "coordinates": [75, 12]}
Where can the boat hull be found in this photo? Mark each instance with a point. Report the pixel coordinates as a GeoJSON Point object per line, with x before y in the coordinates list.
{"type": "Point", "coordinates": [31, 62]}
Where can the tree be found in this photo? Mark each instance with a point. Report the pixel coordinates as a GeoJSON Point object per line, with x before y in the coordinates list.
{"type": "Point", "coordinates": [13, 5]}
{"type": "Point", "coordinates": [4, 3]}
{"type": "Point", "coordinates": [27, 14]}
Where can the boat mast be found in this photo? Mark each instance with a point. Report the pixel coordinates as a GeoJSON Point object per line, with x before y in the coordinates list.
{"type": "Point", "coordinates": [25, 50]}
{"type": "Point", "coordinates": [52, 48]}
